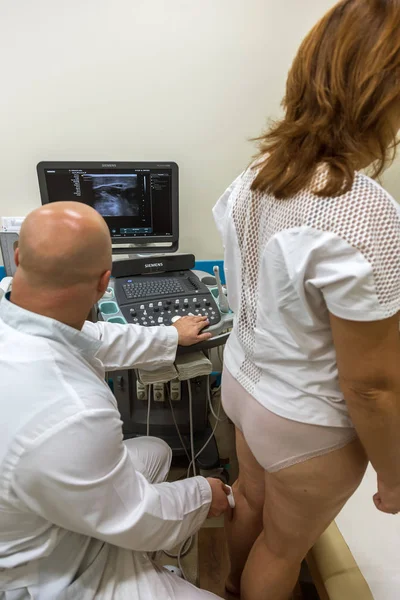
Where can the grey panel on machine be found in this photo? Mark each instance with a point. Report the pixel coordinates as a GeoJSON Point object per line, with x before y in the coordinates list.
{"type": "Point", "coordinates": [8, 243]}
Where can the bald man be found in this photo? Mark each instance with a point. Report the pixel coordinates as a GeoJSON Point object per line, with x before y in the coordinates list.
{"type": "Point", "coordinates": [79, 507]}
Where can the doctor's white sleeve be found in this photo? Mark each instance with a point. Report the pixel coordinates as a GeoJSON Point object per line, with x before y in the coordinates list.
{"type": "Point", "coordinates": [81, 477]}
{"type": "Point", "coordinates": [133, 346]}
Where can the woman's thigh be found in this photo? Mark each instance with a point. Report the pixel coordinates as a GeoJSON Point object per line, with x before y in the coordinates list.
{"type": "Point", "coordinates": [250, 482]}
{"type": "Point", "coordinates": [298, 501]}
{"type": "Point", "coordinates": [302, 500]}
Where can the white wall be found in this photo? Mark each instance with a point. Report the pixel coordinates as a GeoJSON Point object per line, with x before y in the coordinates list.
{"type": "Point", "coordinates": [144, 80]}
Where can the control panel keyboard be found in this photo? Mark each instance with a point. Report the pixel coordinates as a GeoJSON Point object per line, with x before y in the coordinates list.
{"type": "Point", "coordinates": [162, 312]}
{"type": "Point", "coordinates": [151, 300]}
{"type": "Point", "coordinates": [164, 286]}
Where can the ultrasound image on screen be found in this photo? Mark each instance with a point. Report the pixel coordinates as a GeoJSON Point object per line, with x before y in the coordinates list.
{"type": "Point", "coordinates": [115, 195]}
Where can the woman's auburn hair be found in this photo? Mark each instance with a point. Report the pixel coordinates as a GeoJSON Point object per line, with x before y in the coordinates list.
{"type": "Point", "coordinates": [342, 100]}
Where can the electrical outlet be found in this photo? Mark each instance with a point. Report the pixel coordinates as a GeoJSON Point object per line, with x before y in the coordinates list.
{"type": "Point", "coordinates": [175, 390]}
{"type": "Point", "coordinates": [141, 391]}
{"type": "Point", "coordinates": [158, 392]}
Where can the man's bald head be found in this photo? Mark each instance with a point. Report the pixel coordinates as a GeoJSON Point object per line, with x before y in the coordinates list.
{"type": "Point", "coordinates": [63, 244]}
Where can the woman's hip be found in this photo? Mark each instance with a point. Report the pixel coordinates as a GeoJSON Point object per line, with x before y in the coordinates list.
{"type": "Point", "coordinates": [275, 441]}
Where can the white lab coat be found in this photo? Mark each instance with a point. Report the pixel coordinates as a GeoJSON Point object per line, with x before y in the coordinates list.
{"type": "Point", "coordinates": [76, 514]}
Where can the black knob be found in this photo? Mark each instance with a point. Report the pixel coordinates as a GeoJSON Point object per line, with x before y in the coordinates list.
{"type": "Point", "coordinates": [186, 304]}
{"type": "Point", "coordinates": [168, 302]}
{"type": "Point", "coordinates": [197, 304]}
{"type": "Point", "coordinates": [165, 307]}
{"type": "Point", "coordinates": [156, 309]}
{"type": "Point", "coordinates": [208, 303]}
{"type": "Point", "coordinates": [133, 313]}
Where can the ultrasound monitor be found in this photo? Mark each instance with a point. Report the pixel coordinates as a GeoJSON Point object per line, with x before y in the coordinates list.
{"type": "Point", "coordinates": [138, 200]}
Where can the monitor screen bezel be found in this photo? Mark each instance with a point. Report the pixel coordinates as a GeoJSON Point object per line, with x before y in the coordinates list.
{"type": "Point", "coordinates": [140, 241]}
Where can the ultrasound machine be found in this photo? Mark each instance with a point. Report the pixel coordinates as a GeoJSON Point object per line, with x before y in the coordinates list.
{"type": "Point", "coordinates": [151, 285]}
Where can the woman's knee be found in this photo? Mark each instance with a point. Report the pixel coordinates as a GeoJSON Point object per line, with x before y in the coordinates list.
{"type": "Point", "coordinates": [291, 549]}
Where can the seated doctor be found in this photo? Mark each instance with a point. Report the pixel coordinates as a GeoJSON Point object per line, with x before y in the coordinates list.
{"type": "Point", "coordinates": [80, 508]}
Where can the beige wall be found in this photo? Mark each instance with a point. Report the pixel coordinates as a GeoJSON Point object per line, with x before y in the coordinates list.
{"type": "Point", "coordinates": [144, 80]}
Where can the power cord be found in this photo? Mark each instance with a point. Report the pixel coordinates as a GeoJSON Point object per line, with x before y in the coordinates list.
{"type": "Point", "coordinates": [183, 553]}
{"type": "Point", "coordinates": [176, 425]}
{"type": "Point", "coordinates": [193, 462]}
{"type": "Point", "coordinates": [215, 415]}
{"type": "Point", "coordinates": [186, 546]}
{"type": "Point", "coordinates": [184, 549]}
{"type": "Point", "coordinates": [208, 440]}
{"type": "Point", "coordinates": [148, 412]}
{"type": "Point", "coordinates": [220, 353]}
{"type": "Point", "coordinates": [211, 407]}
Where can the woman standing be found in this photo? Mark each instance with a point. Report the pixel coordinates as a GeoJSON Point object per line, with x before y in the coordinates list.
{"type": "Point", "coordinates": [312, 257]}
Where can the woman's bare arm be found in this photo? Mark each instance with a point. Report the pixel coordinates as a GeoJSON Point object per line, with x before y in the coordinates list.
{"type": "Point", "coordinates": [368, 357]}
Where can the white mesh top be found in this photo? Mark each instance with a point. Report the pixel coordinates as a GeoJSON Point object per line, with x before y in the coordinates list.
{"type": "Point", "coordinates": [287, 264]}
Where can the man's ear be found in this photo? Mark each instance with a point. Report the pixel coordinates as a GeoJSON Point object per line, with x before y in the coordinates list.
{"type": "Point", "coordinates": [16, 257]}
{"type": "Point", "coordinates": [103, 283]}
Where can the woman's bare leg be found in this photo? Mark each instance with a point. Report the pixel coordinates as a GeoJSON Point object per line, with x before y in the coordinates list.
{"type": "Point", "coordinates": [300, 502]}
{"type": "Point", "coordinates": [246, 523]}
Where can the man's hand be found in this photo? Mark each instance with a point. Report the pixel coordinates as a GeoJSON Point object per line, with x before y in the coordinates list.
{"type": "Point", "coordinates": [220, 493]}
{"type": "Point", "coordinates": [189, 330]}
{"type": "Point", "coordinates": [387, 499]}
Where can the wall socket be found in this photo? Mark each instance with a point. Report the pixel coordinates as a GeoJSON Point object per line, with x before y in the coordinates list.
{"type": "Point", "coordinates": [158, 392]}
{"type": "Point", "coordinates": [141, 390]}
{"type": "Point", "coordinates": [175, 390]}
